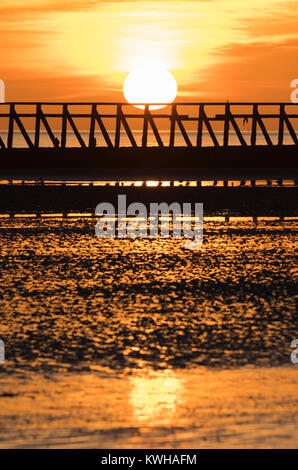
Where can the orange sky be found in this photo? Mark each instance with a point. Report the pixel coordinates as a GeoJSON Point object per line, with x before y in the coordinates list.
{"type": "Point", "coordinates": [83, 49]}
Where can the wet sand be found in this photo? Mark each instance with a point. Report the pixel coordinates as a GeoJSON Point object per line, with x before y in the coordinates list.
{"type": "Point", "coordinates": [200, 408]}
{"type": "Point", "coordinates": [120, 343]}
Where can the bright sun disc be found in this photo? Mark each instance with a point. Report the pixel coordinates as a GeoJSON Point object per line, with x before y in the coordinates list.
{"type": "Point", "coordinates": [150, 85]}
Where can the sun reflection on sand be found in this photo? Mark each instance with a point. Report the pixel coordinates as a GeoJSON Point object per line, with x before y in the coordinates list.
{"type": "Point", "coordinates": [155, 397]}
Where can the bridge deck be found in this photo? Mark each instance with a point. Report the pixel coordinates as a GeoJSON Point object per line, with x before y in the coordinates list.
{"type": "Point", "coordinates": [151, 163]}
{"type": "Point", "coordinates": [242, 200]}
{"type": "Point", "coordinates": [167, 160]}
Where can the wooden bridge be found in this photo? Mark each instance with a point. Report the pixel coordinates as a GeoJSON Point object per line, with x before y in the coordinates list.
{"type": "Point", "coordinates": [95, 114]}
{"type": "Point", "coordinates": [233, 131]}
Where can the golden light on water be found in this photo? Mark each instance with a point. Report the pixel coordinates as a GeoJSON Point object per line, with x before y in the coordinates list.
{"type": "Point", "coordinates": [150, 84]}
{"type": "Point", "coordinates": [154, 398]}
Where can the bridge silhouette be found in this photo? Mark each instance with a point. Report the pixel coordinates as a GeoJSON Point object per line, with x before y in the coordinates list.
{"type": "Point", "coordinates": [124, 150]}
{"type": "Point", "coordinates": [95, 114]}
{"type": "Point", "coordinates": [135, 158]}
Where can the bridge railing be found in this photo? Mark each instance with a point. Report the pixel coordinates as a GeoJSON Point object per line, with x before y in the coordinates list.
{"type": "Point", "coordinates": [204, 118]}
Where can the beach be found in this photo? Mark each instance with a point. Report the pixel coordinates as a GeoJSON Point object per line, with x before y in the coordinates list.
{"type": "Point", "coordinates": [143, 344]}
{"type": "Point", "coordinates": [201, 408]}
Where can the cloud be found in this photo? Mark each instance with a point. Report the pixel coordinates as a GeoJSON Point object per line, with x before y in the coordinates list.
{"type": "Point", "coordinates": [206, 44]}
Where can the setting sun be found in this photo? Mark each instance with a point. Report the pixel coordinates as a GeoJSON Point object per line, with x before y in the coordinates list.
{"type": "Point", "coordinates": [150, 85]}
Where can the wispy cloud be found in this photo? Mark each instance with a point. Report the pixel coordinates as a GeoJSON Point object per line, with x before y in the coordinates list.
{"type": "Point", "coordinates": [100, 41]}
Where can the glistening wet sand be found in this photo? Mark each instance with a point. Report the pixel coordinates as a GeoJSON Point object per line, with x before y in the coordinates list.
{"type": "Point", "coordinates": [197, 408]}
{"type": "Point", "coordinates": [122, 343]}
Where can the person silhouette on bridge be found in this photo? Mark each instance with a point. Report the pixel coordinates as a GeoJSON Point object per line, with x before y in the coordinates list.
{"type": "Point", "coordinates": [245, 121]}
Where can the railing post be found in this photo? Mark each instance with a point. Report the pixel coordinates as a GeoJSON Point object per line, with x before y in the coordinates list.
{"type": "Point", "coordinates": [145, 126]}
{"type": "Point", "coordinates": [227, 125]}
{"type": "Point", "coordinates": [37, 125]}
{"type": "Point", "coordinates": [10, 126]}
{"type": "Point", "coordinates": [118, 126]}
{"type": "Point", "coordinates": [230, 123]}
{"type": "Point", "coordinates": [281, 124]}
{"type": "Point", "coordinates": [253, 137]}
{"type": "Point", "coordinates": [200, 126]}
{"type": "Point", "coordinates": [92, 126]}
{"type": "Point", "coordinates": [290, 128]}
{"type": "Point", "coordinates": [64, 126]}
{"type": "Point", "coordinates": [173, 124]}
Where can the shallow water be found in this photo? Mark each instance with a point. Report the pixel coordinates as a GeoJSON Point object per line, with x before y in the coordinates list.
{"type": "Point", "coordinates": [69, 298]}
{"type": "Point", "coordinates": [122, 343]}
{"type": "Point", "coordinates": [191, 408]}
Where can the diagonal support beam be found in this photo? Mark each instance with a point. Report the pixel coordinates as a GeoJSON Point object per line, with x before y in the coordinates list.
{"type": "Point", "coordinates": [75, 130]}
{"type": "Point", "coordinates": [127, 128]}
{"type": "Point", "coordinates": [95, 115]}
{"type": "Point", "coordinates": [237, 130]}
{"type": "Point", "coordinates": [183, 131]}
{"type": "Point", "coordinates": [263, 128]}
{"type": "Point", "coordinates": [22, 129]}
{"type": "Point", "coordinates": [2, 144]}
{"type": "Point", "coordinates": [47, 127]}
{"type": "Point", "coordinates": [154, 128]}
{"type": "Point", "coordinates": [205, 120]}
{"type": "Point", "coordinates": [290, 128]}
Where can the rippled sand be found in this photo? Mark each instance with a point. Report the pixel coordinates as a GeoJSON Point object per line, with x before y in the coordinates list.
{"type": "Point", "coordinates": [121, 343]}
